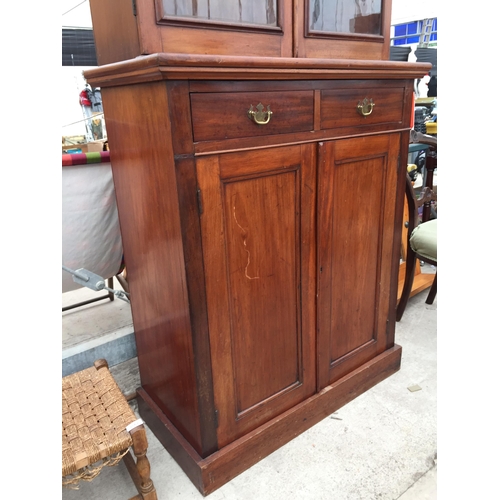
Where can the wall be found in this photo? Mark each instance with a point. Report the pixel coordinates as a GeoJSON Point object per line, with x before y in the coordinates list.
{"type": "Point", "coordinates": [404, 11]}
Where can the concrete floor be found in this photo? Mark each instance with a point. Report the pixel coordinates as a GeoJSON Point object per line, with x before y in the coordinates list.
{"type": "Point", "coordinates": [381, 446]}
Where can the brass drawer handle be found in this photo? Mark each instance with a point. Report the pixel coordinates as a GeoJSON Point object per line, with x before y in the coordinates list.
{"type": "Point", "coordinates": [260, 117]}
{"type": "Point", "coordinates": [365, 107]}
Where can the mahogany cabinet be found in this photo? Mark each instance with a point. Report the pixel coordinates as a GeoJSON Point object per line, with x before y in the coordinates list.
{"type": "Point", "coordinates": [335, 29]}
{"type": "Point", "coordinates": [262, 258]}
{"type": "Point", "coordinates": [260, 199]}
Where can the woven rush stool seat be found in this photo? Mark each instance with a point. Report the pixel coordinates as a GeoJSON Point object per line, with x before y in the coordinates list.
{"type": "Point", "coordinates": [99, 428]}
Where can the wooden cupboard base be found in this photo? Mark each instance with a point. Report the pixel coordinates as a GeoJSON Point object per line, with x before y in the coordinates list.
{"type": "Point", "coordinates": [210, 473]}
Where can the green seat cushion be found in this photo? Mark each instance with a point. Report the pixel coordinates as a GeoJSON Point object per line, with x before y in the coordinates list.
{"type": "Point", "coordinates": [423, 239]}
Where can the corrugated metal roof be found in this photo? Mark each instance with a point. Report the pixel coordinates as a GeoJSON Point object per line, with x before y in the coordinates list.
{"type": "Point", "coordinates": [78, 48]}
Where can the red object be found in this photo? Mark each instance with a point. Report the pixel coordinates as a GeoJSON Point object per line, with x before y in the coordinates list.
{"type": "Point", "coordinates": [84, 98]}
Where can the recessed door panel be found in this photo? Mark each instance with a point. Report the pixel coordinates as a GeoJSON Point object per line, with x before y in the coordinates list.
{"type": "Point", "coordinates": [356, 234]}
{"type": "Point", "coordinates": [261, 224]}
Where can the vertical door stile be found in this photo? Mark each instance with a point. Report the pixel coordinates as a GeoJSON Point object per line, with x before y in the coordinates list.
{"type": "Point", "coordinates": [212, 224]}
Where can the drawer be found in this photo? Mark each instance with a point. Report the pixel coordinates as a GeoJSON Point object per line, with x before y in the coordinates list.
{"type": "Point", "coordinates": [217, 116]}
{"type": "Point", "coordinates": [339, 107]}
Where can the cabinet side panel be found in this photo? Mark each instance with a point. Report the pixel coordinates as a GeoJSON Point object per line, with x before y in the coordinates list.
{"type": "Point", "coordinates": [115, 30]}
{"type": "Point", "coordinates": [182, 142]}
{"type": "Point", "coordinates": [145, 183]}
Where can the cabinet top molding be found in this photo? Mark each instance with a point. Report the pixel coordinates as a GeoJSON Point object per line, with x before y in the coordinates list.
{"type": "Point", "coordinates": [171, 66]}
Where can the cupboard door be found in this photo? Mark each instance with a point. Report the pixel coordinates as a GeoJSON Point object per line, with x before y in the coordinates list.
{"type": "Point", "coordinates": [223, 27]}
{"type": "Point", "coordinates": [259, 256]}
{"type": "Point", "coordinates": [342, 29]}
{"type": "Point", "coordinates": [356, 224]}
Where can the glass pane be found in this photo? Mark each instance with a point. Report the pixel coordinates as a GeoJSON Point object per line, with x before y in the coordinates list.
{"type": "Point", "coordinates": [400, 30]}
{"type": "Point", "coordinates": [412, 28]}
{"type": "Point", "coordinates": [261, 12]}
{"type": "Point", "coordinates": [346, 16]}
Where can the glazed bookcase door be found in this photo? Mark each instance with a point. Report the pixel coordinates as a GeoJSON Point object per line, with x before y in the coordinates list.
{"type": "Point", "coordinates": [233, 27]}
{"type": "Point", "coordinates": [352, 29]}
{"type": "Point", "coordinates": [258, 247]}
{"type": "Point", "coordinates": [356, 213]}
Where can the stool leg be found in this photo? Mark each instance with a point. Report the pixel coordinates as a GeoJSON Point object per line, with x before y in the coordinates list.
{"type": "Point", "coordinates": [101, 363]}
{"type": "Point", "coordinates": [140, 471]}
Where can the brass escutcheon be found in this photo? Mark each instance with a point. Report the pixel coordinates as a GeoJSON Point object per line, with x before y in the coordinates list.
{"type": "Point", "coordinates": [365, 107]}
{"type": "Point", "coordinates": [260, 117]}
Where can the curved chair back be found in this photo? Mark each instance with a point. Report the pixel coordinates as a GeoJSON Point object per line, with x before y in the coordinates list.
{"type": "Point", "coordinates": [422, 243]}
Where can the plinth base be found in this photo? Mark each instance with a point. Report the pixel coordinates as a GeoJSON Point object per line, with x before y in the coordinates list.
{"type": "Point", "coordinates": [210, 473]}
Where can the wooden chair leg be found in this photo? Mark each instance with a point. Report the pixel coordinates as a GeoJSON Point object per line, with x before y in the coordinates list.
{"type": "Point", "coordinates": [432, 291]}
{"type": "Point", "coordinates": [140, 471]}
{"type": "Point", "coordinates": [411, 263]}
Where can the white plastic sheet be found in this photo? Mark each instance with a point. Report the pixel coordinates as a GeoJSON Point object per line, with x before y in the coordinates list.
{"type": "Point", "coordinates": [91, 236]}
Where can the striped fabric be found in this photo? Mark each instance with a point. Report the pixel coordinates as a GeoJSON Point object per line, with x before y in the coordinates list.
{"type": "Point", "coordinates": [85, 158]}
